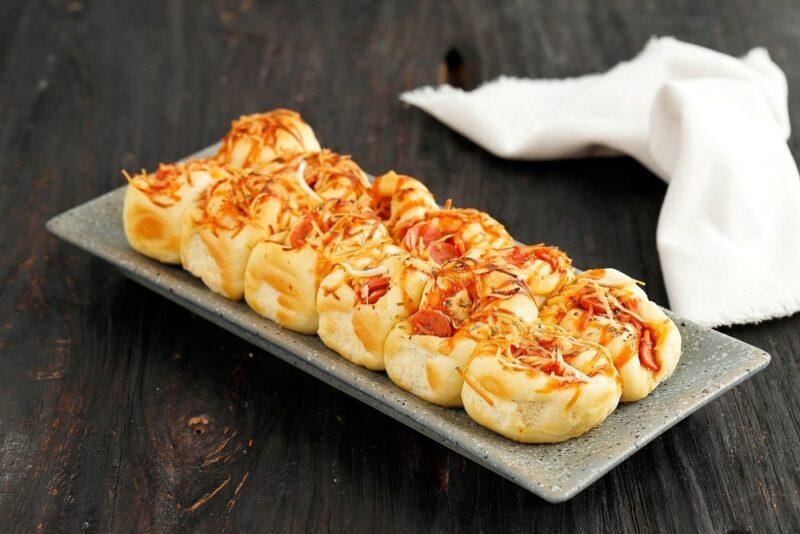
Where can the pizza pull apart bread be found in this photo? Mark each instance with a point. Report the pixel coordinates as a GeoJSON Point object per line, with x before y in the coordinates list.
{"type": "Point", "coordinates": [443, 299]}
{"type": "Point", "coordinates": [257, 139]}
{"type": "Point", "coordinates": [229, 219]}
{"type": "Point", "coordinates": [540, 387]}
{"type": "Point", "coordinates": [282, 278]}
{"type": "Point", "coordinates": [467, 301]}
{"type": "Point", "coordinates": [607, 307]}
{"type": "Point", "coordinates": [358, 308]}
{"type": "Point", "coordinates": [155, 203]}
{"type": "Point", "coordinates": [451, 233]}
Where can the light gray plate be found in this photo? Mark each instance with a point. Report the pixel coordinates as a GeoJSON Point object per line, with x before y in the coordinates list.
{"type": "Point", "coordinates": [711, 364]}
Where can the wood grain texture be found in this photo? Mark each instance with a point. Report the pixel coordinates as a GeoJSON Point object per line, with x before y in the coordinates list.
{"type": "Point", "coordinates": [120, 411]}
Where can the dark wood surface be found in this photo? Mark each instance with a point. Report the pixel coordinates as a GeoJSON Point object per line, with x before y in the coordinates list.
{"type": "Point", "coordinates": [120, 411]}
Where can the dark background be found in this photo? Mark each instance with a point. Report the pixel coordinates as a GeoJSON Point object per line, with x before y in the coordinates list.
{"type": "Point", "coordinates": [122, 411]}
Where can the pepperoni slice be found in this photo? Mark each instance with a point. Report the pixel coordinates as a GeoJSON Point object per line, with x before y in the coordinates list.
{"type": "Point", "coordinates": [423, 231]}
{"type": "Point", "coordinates": [441, 251]}
{"type": "Point", "coordinates": [431, 323]}
{"type": "Point", "coordinates": [376, 288]}
{"type": "Point", "coordinates": [297, 238]}
{"type": "Point", "coordinates": [430, 234]}
{"type": "Point", "coordinates": [647, 355]}
{"type": "Point", "coordinates": [411, 237]}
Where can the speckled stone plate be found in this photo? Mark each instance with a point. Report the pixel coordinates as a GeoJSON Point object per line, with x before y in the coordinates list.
{"type": "Point", "coordinates": [711, 364]}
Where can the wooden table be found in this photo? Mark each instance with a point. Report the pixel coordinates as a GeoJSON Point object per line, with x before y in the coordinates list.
{"type": "Point", "coordinates": [121, 411]}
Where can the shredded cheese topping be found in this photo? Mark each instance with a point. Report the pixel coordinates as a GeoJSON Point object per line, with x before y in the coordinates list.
{"type": "Point", "coordinates": [380, 270]}
{"type": "Point", "coordinates": [301, 169]}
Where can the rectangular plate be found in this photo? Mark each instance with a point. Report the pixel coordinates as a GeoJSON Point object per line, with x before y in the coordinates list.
{"type": "Point", "coordinates": [711, 364]}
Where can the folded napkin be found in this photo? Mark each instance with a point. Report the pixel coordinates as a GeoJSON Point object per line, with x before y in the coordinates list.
{"type": "Point", "coordinates": [712, 126]}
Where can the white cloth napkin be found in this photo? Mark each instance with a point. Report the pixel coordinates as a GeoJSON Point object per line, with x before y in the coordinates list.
{"type": "Point", "coordinates": [712, 126]}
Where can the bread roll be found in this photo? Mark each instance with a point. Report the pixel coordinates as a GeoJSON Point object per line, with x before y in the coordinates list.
{"type": "Point", "coordinates": [254, 140]}
{"type": "Point", "coordinates": [357, 309]}
{"type": "Point", "coordinates": [155, 203]}
{"type": "Point", "coordinates": [230, 218]}
{"type": "Point", "coordinates": [401, 200]}
{"type": "Point", "coordinates": [281, 279]}
{"type": "Point", "coordinates": [606, 306]}
{"type": "Point", "coordinates": [540, 387]}
{"type": "Point", "coordinates": [451, 233]}
{"type": "Point", "coordinates": [466, 302]}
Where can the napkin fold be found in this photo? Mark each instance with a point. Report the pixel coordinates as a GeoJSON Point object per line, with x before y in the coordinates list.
{"type": "Point", "coordinates": [712, 126]}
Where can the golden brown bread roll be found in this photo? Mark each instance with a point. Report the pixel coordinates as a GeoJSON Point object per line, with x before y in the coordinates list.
{"type": "Point", "coordinates": [154, 205]}
{"type": "Point", "coordinates": [254, 140]}
{"type": "Point", "coordinates": [230, 218]}
{"type": "Point", "coordinates": [466, 302]}
{"type": "Point", "coordinates": [401, 200]}
{"type": "Point", "coordinates": [607, 307]}
{"type": "Point", "coordinates": [281, 279]}
{"type": "Point", "coordinates": [357, 309]}
{"type": "Point", "coordinates": [540, 387]}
